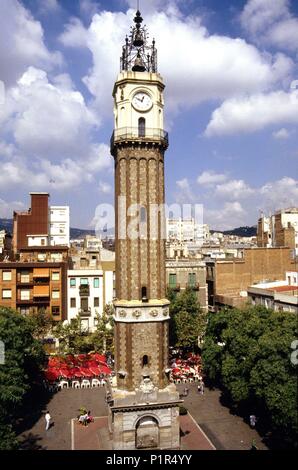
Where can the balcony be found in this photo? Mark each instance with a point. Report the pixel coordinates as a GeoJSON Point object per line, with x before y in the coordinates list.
{"type": "Point", "coordinates": [134, 134]}
{"type": "Point", "coordinates": [83, 312]}
{"type": "Point", "coordinates": [175, 287]}
{"type": "Point", "coordinates": [84, 290]}
{"type": "Point", "coordinates": [193, 285]}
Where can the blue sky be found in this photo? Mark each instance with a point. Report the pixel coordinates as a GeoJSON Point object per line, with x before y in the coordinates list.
{"type": "Point", "coordinates": [231, 103]}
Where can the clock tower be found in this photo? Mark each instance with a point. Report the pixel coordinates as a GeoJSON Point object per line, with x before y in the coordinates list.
{"type": "Point", "coordinates": [143, 405]}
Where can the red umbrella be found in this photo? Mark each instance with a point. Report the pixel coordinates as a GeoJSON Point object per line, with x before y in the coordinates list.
{"type": "Point", "coordinates": [65, 373]}
{"type": "Point", "coordinates": [51, 375]}
{"type": "Point", "coordinates": [99, 357]}
{"type": "Point", "coordinates": [85, 372]}
{"type": "Point", "coordinates": [76, 372]}
{"type": "Point", "coordinates": [95, 370]}
{"type": "Point", "coordinates": [105, 370]}
{"type": "Point", "coordinates": [176, 371]}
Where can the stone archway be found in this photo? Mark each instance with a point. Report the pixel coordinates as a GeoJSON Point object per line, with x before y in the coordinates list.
{"type": "Point", "coordinates": [147, 433]}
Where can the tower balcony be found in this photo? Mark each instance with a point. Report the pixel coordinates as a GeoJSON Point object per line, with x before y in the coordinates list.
{"type": "Point", "coordinates": [128, 135]}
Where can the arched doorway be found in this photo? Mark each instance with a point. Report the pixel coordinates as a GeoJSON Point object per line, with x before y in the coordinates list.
{"type": "Point", "coordinates": [147, 433]}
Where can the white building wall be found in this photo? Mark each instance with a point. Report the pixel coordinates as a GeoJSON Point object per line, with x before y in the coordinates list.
{"type": "Point", "coordinates": [59, 225]}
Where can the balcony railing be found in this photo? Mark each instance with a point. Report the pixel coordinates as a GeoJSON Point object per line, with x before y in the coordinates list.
{"type": "Point", "coordinates": [128, 134]}
{"type": "Point", "coordinates": [193, 285]}
{"type": "Point", "coordinates": [83, 312]}
{"type": "Point", "coordinates": [174, 286]}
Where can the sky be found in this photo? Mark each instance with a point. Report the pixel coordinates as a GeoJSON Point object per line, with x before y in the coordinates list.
{"type": "Point", "coordinates": [231, 103]}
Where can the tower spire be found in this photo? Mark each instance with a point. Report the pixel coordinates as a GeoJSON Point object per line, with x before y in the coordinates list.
{"type": "Point", "coordinates": [137, 54]}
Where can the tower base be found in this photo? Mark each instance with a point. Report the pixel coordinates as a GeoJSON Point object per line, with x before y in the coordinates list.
{"type": "Point", "coordinates": [144, 419]}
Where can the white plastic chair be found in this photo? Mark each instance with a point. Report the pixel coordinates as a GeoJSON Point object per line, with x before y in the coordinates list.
{"type": "Point", "coordinates": [63, 384]}
{"type": "Point", "coordinates": [75, 384]}
{"type": "Point", "coordinates": [102, 382]}
{"type": "Point", "coordinates": [95, 383]}
{"type": "Point", "coordinates": [85, 384]}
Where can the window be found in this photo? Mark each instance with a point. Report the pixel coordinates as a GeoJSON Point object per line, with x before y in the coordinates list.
{"type": "Point", "coordinates": [192, 279]}
{"type": "Point", "coordinates": [84, 281]}
{"type": "Point", "coordinates": [6, 275]}
{"type": "Point", "coordinates": [96, 282]}
{"type": "Point", "coordinates": [73, 303]}
{"type": "Point", "coordinates": [142, 126]}
{"type": "Point", "coordinates": [41, 257]}
{"type": "Point", "coordinates": [84, 304]}
{"type": "Point", "coordinates": [145, 360]}
{"type": "Point", "coordinates": [96, 301]}
{"type": "Point", "coordinates": [43, 242]}
{"type": "Point", "coordinates": [55, 311]}
{"type": "Point", "coordinates": [143, 214]}
{"type": "Point", "coordinates": [144, 293]}
{"type": "Point", "coordinates": [72, 282]}
{"type": "Point", "coordinates": [55, 276]}
{"type": "Point", "coordinates": [172, 280]}
{"type": "Point", "coordinates": [55, 294]}
{"type": "Point", "coordinates": [6, 294]}
{"type": "Point", "coordinates": [24, 311]}
{"type": "Point", "coordinates": [25, 276]}
{"type": "Point", "coordinates": [25, 294]}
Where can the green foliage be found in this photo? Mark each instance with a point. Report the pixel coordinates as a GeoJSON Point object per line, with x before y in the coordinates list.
{"type": "Point", "coordinates": [24, 358]}
{"type": "Point", "coordinates": [187, 322]}
{"type": "Point", "coordinates": [74, 340]}
{"type": "Point", "coordinates": [182, 410]}
{"type": "Point", "coordinates": [42, 323]}
{"type": "Point", "coordinates": [248, 353]}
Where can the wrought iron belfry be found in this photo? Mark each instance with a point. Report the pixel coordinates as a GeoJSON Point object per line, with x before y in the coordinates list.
{"type": "Point", "coordinates": [137, 54]}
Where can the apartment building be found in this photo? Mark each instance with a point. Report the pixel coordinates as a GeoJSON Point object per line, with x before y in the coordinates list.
{"type": "Point", "coordinates": [281, 295]}
{"type": "Point", "coordinates": [41, 225]}
{"type": "Point", "coordinates": [186, 230]}
{"type": "Point", "coordinates": [182, 273]}
{"type": "Point", "coordinates": [280, 229]}
{"type": "Point", "coordinates": [228, 280]}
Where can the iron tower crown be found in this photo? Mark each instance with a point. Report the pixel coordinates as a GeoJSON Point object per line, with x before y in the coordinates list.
{"type": "Point", "coordinates": [137, 54]}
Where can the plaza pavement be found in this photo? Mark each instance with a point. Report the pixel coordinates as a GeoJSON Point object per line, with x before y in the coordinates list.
{"type": "Point", "coordinates": [226, 431]}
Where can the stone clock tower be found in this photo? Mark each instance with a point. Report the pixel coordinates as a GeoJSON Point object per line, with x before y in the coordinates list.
{"type": "Point", "coordinates": [143, 405]}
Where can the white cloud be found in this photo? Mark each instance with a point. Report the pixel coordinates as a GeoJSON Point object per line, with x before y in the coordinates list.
{"type": "Point", "coordinates": [279, 194]}
{"type": "Point", "coordinates": [185, 194]}
{"type": "Point", "coordinates": [229, 216]}
{"type": "Point", "coordinates": [271, 22]}
{"type": "Point", "coordinates": [46, 119]}
{"type": "Point", "coordinates": [197, 67]}
{"type": "Point", "coordinates": [105, 188]}
{"type": "Point", "coordinates": [253, 113]}
{"type": "Point", "coordinates": [7, 208]}
{"type": "Point", "coordinates": [49, 6]}
{"type": "Point", "coordinates": [208, 178]}
{"type": "Point", "coordinates": [281, 134]}
{"type": "Point", "coordinates": [21, 42]}
{"type": "Point", "coordinates": [234, 189]}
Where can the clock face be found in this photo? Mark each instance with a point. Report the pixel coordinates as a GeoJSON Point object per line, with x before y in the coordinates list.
{"type": "Point", "coordinates": [141, 101]}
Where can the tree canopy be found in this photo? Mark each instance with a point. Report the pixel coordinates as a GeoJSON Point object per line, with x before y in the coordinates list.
{"type": "Point", "coordinates": [23, 360]}
{"type": "Point", "coordinates": [188, 321]}
{"type": "Point", "coordinates": [248, 352]}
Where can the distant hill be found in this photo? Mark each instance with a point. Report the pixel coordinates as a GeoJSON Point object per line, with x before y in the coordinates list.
{"type": "Point", "coordinates": [6, 224]}
{"type": "Point", "coordinates": [240, 231]}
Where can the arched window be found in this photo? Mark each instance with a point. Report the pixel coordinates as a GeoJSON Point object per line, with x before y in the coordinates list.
{"type": "Point", "coordinates": [142, 127]}
{"type": "Point", "coordinates": [144, 294]}
{"type": "Point", "coordinates": [145, 360]}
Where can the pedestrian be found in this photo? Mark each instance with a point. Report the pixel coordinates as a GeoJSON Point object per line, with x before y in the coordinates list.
{"type": "Point", "coordinates": [48, 419]}
{"type": "Point", "coordinates": [252, 421]}
{"type": "Point", "coordinates": [185, 391]}
{"type": "Point", "coordinates": [199, 388]}
{"type": "Point", "coordinates": [202, 388]}
{"type": "Point", "coordinates": [254, 445]}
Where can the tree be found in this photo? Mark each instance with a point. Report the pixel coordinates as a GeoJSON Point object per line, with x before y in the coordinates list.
{"type": "Point", "coordinates": [42, 323]}
{"type": "Point", "coordinates": [103, 337]}
{"type": "Point", "coordinates": [188, 321]}
{"type": "Point", "coordinates": [23, 361]}
{"type": "Point", "coordinates": [248, 353]}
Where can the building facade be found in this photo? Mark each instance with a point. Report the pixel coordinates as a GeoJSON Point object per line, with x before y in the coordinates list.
{"type": "Point", "coordinates": [188, 273]}
{"type": "Point", "coordinates": [280, 296]}
{"type": "Point", "coordinates": [280, 229]}
{"type": "Point", "coordinates": [41, 225]}
{"type": "Point", "coordinates": [143, 405]}
{"type": "Point", "coordinates": [228, 280]}
{"type": "Point", "coordinates": [89, 290]}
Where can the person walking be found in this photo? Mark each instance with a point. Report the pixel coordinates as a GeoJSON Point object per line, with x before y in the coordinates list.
{"type": "Point", "coordinates": [252, 421]}
{"type": "Point", "coordinates": [48, 419]}
{"type": "Point", "coordinates": [202, 388]}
